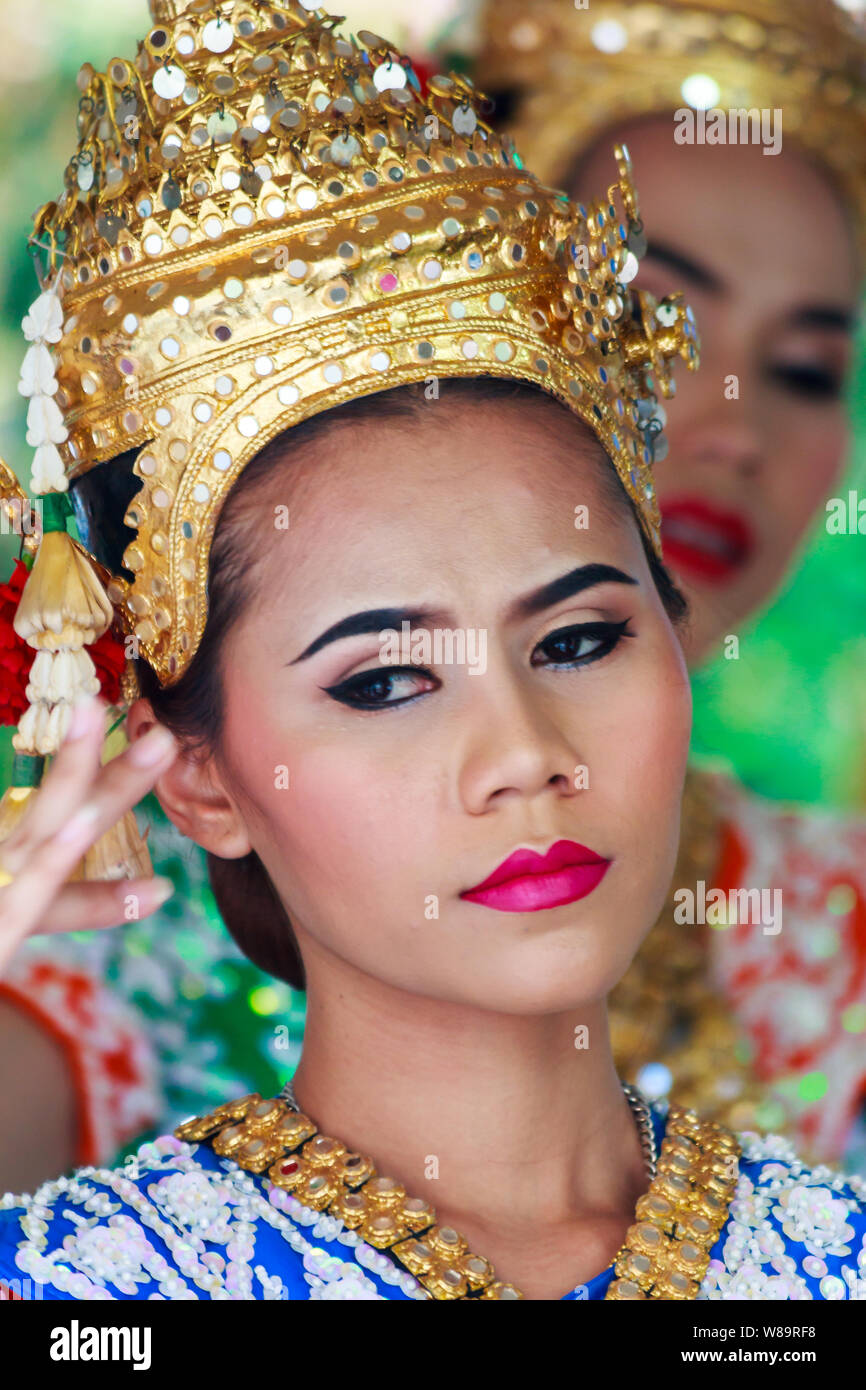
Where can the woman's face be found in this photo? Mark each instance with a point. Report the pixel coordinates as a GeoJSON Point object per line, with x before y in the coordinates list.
{"type": "Point", "coordinates": [762, 247]}
{"type": "Point", "coordinates": [380, 786]}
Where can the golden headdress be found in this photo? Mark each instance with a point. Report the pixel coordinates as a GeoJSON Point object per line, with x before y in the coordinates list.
{"type": "Point", "coordinates": [264, 219]}
{"type": "Point", "coordinates": [581, 68]}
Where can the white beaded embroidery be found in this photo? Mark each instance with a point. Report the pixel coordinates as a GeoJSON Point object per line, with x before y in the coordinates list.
{"type": "Point", "coordinates": [186, 1207]}
{"type": "Point", "coordinates": [813, 1208]}
{"type": "Point", "coordinates": [189, 1208]}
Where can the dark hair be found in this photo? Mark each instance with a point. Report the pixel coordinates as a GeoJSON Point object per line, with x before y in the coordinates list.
{"type": "Point", "coordinates": [193, 708]}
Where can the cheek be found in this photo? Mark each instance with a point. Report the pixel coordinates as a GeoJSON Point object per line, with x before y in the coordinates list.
{"type": "Point", "coordinates": [657, 746]}
{"type": "Point", "coordinates": [344, 825]}
{"type": "Point", "coordinates": [653, 782]}
{"type": "Point", "coordinates": [324, 807]}
{"type": "Point", "coordinates": [808, 458]}
{"type": "Point", "coordinates": [643, 741]}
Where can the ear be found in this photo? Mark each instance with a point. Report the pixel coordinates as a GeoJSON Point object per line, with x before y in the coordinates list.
{"type": "Point", "coordinates": [193, 794]}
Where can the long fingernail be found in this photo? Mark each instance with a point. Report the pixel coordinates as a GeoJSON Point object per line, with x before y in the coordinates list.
{"type": "Point", "coordinates": [78, 825]}
{"type": "Point", "coordinates": [162, 890]}
{"type": "Point", "coordinates": [82, 718]}
{"type": "Point", "coordinates": [155, 746]}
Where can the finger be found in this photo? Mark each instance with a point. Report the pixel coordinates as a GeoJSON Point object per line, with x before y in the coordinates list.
{"type": "Point", "coordinates": [87, 790]}
{"type": "Point", "coordinates": [63, 788]}
{"type": "Point", "coordinates": [46, 865]}
{"type": "Point", "coordinates": [96, 905]}
{"type": "Point", "coordinates": [24, 903]}
{"type": "Point", "coordinates": [121, 784]}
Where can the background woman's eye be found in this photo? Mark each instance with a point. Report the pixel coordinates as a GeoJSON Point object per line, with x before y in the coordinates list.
{"type": "Point", "coordinates": [579, 644]}
{"type": "Point", "coordinates": [380, 688]}
{"type": "Point", "coordinates": [815, 383]}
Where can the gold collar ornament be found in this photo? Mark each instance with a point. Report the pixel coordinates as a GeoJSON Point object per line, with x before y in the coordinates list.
{"type": "Point", "coordinates": [664, 1256]}
{"type": "Point", "coordinates": [579, 70]}
{"type": "Point", "coordinates": [666, 1248]}
{"type": "Point", "coordinates": [264, 219]}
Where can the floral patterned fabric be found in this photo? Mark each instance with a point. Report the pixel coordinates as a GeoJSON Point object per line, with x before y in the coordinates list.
{"type": "Point", "coordinates": [177, 1222]}
{"type": "Point", "coordinates": [799, 993]}
{"type": "Point", "coordinates": [108, 1052]}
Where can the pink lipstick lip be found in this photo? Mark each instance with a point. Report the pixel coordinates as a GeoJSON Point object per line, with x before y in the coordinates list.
{"type": "Point", "coordinates": [530, 882]}
{"type": "Point", "coordinates": [703, 540]}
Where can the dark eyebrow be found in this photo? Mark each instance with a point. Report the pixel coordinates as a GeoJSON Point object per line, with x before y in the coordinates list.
{"type": "Point", "coordinates": [376, 619]}
{"type": "Point", "coordinates": [828, 316]}
{"type": "Point", "coordinates": [584, 577]}
{"type": "Point", "coordinates": [684, 265]}
{"type": "Point", "coordinates": [373, 620]}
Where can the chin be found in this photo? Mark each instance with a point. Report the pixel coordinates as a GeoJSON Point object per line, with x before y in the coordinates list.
{"type": "Point", "coordinates": [535, 979]}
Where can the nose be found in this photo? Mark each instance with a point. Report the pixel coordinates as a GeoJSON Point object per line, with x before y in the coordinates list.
{"type": "Point", "coordinates": [515, 749]}
{"type": "Point", "coordinates": [719, 423]}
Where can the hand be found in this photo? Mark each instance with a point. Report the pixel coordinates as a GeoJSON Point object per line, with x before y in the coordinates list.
{"type": "Point", "coordinates": [77, 802]}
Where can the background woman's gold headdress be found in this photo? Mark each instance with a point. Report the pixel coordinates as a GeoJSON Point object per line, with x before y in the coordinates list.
{"type": "Point", "coordinates": [264, 219]}
{"type": "Point", "coordinates": [580, 69]}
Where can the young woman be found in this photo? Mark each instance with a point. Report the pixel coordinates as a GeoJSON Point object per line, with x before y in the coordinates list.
{"type": "Point", "coordinates": [758, 206]}
{"type": "Point", "coordinates": [407, 660]}
{"type": "Point", "coordinates": [759, 1026]}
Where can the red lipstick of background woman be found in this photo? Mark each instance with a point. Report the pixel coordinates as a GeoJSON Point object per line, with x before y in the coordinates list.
{"type": "Point", "coordinates": [702, 541]}
{"type": "Point", "coordinates": [530, 882]}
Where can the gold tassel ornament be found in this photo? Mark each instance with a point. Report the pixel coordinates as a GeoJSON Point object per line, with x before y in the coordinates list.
{"type": "Point", "coordinates": [63, 609]}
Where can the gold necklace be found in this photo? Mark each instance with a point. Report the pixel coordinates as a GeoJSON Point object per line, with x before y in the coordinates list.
{"type": "Point", "coordinates": [665, 1253]}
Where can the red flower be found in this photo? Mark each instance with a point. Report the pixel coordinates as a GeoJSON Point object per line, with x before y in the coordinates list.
{"type": "Point", "coordinates": [17, 657]}
{"type": "Point", "coordinates": [109, 658]}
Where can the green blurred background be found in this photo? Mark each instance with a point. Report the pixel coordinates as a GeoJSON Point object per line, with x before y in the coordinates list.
{"type": "Point", "coordinates": [789, 715]}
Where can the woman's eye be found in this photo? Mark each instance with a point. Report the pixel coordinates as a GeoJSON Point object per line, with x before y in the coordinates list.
{"type": "Point", "coordinates": [813, 383]}
{"type": "Point", "coordinates": [382, 687]}
{"type": "Point", "coordinates": [579, 645]}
